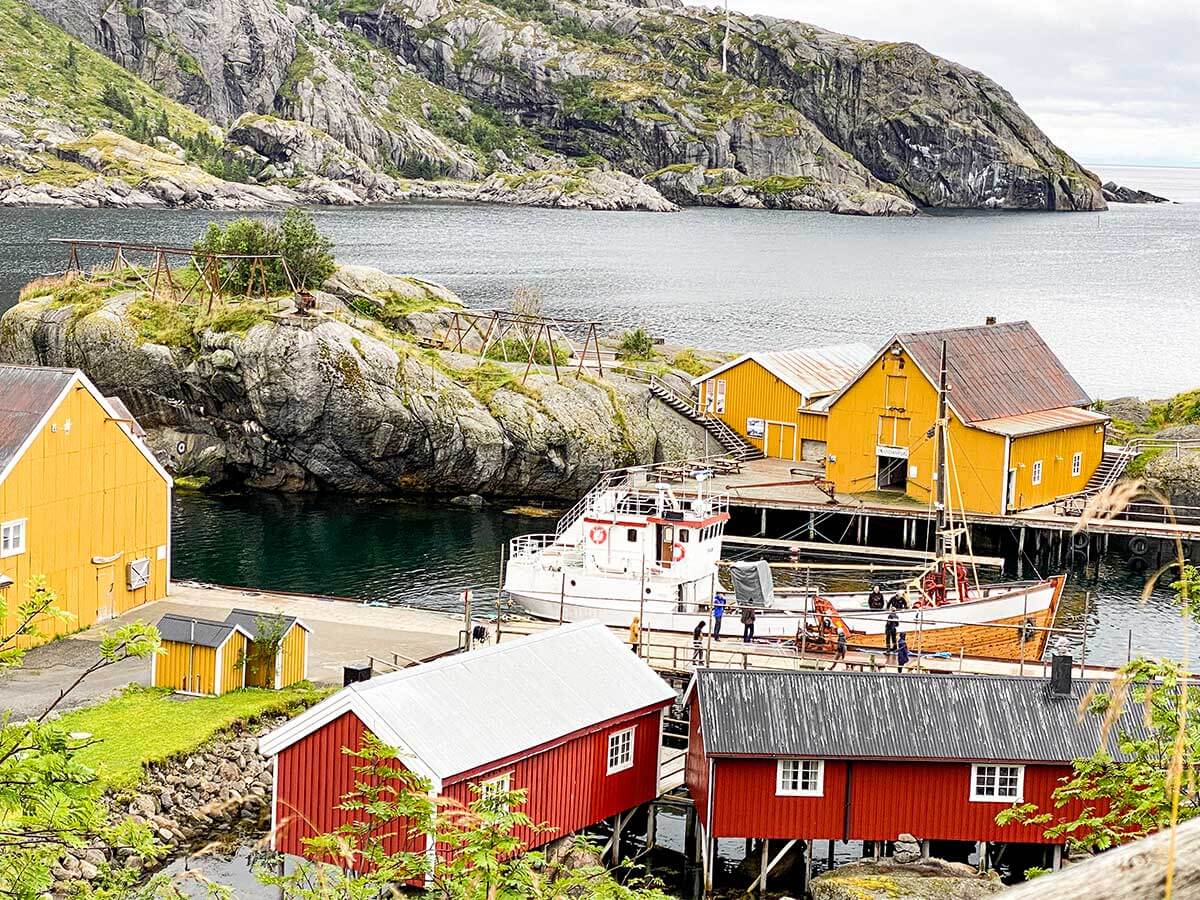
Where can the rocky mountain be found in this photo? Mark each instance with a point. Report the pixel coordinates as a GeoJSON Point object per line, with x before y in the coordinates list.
{"type": "Point", "coordinates": [613, 104]}
{"type": "Point", "coordinates": [347, 399]}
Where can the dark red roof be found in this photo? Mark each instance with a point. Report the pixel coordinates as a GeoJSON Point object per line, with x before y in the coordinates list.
{"type": "Point", "coordinates": [27, 393]}
{"type": "Point", "coordinates": [996, 370]}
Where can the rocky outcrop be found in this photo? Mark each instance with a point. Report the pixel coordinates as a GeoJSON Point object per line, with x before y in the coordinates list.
{"type": "Point", "coordinates": [886, 879]}
{"type": "Point", "coordinates": [1176, 475]}
{"type": "Point", "coordinates": [340, 401]}
{"type": "Point", "coordinates": [439, 87]}
{"type": "Point", "coordinates": [209, 793]}
{"type": "Point", "coordinates": [1115, 193]}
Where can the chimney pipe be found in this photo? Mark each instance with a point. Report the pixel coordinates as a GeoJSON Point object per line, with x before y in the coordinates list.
{"type": "Point", "coordinates": [990, 320]}
{"type": "Point", "coordinates": [1060, 675]}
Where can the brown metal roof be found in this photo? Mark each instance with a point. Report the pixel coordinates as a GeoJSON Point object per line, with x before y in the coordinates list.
{"type": "Point", "coordinates": [996, 370]}
{"type": "Point", "coordinates": [121, 411]}
{"type": "Point", "coordinates": [27, 393]}
{"type": "Point", "coordinates": [1042, 421]}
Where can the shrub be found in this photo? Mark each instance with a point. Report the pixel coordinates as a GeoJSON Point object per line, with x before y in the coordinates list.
{"type": "Point", "coordinates": [636, 344]}
{"type": "Point", "coordinates": [296, 239]}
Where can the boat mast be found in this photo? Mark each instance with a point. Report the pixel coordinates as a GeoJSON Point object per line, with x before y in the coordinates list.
{"type": "Point", "coordinates": [942, 512]}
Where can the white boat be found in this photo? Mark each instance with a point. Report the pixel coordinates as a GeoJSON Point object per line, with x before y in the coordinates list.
{"type": "Point", "coordinates": [641, 547]}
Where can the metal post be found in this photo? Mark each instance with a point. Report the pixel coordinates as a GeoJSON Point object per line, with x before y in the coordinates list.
{"type": "Point", "coordinates": [1087, 602]}
{"type": "Point", "coordinates": [762, 872]}
{"type": "Point", "coordinates": [499, 589]}
{"type": "Point", "coordinates": [808, 864]}
{"type": "Point", "coordinates": [562, 597]}
{"type": "Point", "coordinates": [467, 598]}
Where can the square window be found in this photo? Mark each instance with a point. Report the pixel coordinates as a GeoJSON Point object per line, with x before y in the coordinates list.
{"type": "Point", "coordinates": [12, 537]}
{"type": "Point", "coordinates": [631, 535]}
{"type": "Point", "coordinates": [1076, 464]}
{"type": "Point", "coordinates": [495, 788]}
{"type": "Point", "coordinates": [800, 777]}
{"type": "Point", "coordinates": [683, 535]}
{"type": "Point", "coordinates": [997, 784]}
{"type": "Point", "coordinates": [1037, 471]}
{"type": "Point", "coordinates": [620, 751]}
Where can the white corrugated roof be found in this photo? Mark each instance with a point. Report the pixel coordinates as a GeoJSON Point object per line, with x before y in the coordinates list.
{"type": "Point", "coordinates": [811, 371]}
{"type": "Point", "coordinates": [1041, 421]}
{"type": "Point", "coordinates": [461, 712]}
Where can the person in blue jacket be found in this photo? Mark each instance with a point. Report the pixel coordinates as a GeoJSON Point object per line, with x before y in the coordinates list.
{"type": "Point", "coordinates": [718, 612]}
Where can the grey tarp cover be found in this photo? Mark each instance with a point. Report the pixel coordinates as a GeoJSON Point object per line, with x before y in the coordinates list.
{"type": "Point", "coordinates": [752, 584]}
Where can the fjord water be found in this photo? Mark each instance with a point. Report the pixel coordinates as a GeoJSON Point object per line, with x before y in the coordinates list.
{"type": "Point", "coordinates": [1114, 293]}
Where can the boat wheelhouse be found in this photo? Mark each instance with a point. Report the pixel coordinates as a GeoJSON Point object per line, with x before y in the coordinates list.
{"type": "Point", "coordinates": [638, 545]}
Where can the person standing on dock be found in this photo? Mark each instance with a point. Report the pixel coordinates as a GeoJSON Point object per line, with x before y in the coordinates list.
{"type": "Point", "coordinates": [890, 631]}
{"type": "Point", "coordinates": [718, 615]}
{"type": "Point", "coordinates": [748, 616]}
{"type": "Point", "coordinates": [698, 644]}
{"type": "Point", "coordinates": [902, 655]}
{"type": "Point", "coordinates": [635, 633]}
{"type": "Point", "coordinates": [841, 647]}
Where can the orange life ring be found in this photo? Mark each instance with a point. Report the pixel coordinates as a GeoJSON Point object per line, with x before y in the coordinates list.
{"type": "Point", "coordinates": [677, 552]}
{"type": "Point", "coordinates": [598, 534]}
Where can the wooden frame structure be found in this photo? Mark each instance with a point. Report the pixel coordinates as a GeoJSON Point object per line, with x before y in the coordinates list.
{"type": "Point", "coordinates": [207, 265]}
{"type": "Point", "coordinates": [494, 326]}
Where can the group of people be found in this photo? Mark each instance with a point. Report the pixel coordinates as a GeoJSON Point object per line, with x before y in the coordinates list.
{"type": "Point", "coordinates": [720, 606]}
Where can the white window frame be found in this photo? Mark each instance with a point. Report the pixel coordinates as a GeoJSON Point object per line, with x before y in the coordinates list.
{"type": "Point", "coordinates": [620, 751]}
{"type": "Point", "coordinates": [786, 772]}
{"type": "Point", "coordinates": [1035, 473]}
{"type": "Point", "coordinates": [977, 797]}
{"type": "Point", "coordinates": [721, 395]}
{"type": "Point", "coordinates": [15, 548]}
{"type": "Point", "coordinates": [499, 784]}
{"type": "Point", "coordinates": [1077, 464]}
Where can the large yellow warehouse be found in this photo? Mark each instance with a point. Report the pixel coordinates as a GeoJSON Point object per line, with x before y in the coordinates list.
{"type": "Point", "coordinates": [83, 501]}
{"type": "Point", "coordinates": [1021, 433]}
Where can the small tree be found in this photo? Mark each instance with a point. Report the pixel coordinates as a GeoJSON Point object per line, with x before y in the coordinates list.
{"type": "Point", "coordinates": [486, 858]}
{"type": "Point", "coordinates": [636, 345]}
{"type": "Point", "coordinates": [296, 239]}
{"type": "Point", "coordinates": [48, 800]}
{"type": "Point", "coordinates": [269, 631]}
{"type": "Point", "coordinates": [308, 253]}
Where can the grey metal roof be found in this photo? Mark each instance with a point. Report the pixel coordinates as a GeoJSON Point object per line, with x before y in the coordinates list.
{"type": "Point", "coordinates": [189, 630]}
{"type": "Point", "coordinates": [27, 393]}
{"type": "Point", "coordinates": [810, 371]}
{"type": "Point", "coordinates": [459, 713]}
{"type": "Point", "coordinates": [248, 619]}
{"type": "Point", "coordinates": [875, 715]}
{"type": "Point", "coordinates": [121, 411]}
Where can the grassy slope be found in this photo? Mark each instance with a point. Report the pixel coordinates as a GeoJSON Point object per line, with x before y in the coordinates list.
{"type": "Point", "coordinates": [145, 725]}
{"type": "Point", "coordinates": [33, 60]}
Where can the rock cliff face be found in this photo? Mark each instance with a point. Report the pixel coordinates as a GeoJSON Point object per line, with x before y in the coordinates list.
{"type": "Point", "coordinates": [338, 401]}
{"type": "Point", "coordinates": [798, 118]}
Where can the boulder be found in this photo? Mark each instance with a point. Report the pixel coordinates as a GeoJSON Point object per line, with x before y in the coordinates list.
{"type": "Point", "coordinates": [1176, 476]}
{"type": "Point", "coordinates": [907, 849]}
{"type": "Point", "coordinates": [930, 879]}
{"type": "Point", "coordinates": [1115, 193]}
{"type": "Point", "coordinates": [1128, 409]}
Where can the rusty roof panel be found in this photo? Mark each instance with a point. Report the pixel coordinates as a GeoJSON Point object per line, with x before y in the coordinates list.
{"type": "Point", "coordinates": [27, 393]}
{"type": "Point", "coordinates": [816, 371]}
{"type": "Point", "coordinates": [121, 412]}
{"type": "Point", "coordinates": [996, 370]}
{"type": "Point", "coordinates": [874, 715]}
{"type": "Point", "coordinates": [1042, 421]}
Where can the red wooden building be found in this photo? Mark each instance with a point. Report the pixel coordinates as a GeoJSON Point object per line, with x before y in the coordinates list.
{"type": "Point", "coordinates": [568, 715]}
{"type": "Point", "coordinates": [864, 756]}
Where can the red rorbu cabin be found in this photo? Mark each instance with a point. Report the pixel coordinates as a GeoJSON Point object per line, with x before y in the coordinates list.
{"type": "Point", "coordinates": [569, 715]}
{"type": "Point", "coordinates": [864, 756]}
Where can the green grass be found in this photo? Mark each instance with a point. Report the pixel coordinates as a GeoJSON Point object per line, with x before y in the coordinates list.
{"type": "Point", "coordinates": [688, 361]}
{"type": "Point", "coordinates": [146, 725]}
{"type": "Point", "coordinates": [163, 322]}
{"type": "Point", "coordinates": [236, 319]}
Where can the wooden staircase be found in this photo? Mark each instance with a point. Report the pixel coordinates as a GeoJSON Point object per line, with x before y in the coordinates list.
{"type": "Point", "coordinates": [732, 442]}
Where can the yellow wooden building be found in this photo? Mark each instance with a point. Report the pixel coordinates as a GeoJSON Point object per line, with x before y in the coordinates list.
{"type": "Point", "coordinates": [1020, 431]}
{"type": "Point", "coordinates": [288, 664]}
{"type": "Point", "coordinates": [83, 501]}
{"type": "Point", "coordinates": [200, 656]}
{"type": "Point", "coordinates": [777, 400]}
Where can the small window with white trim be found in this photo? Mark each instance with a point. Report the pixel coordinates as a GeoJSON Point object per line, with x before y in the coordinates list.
{"type": "Point", "coordinates": [800, 778]}
{"type": "Point", "coordinates": [631, 535]}
{"type": "Point", "coordinates": [1037, 471]}
{"type": "Point", "coordinates": [620, 751]}
{"type": "Point", "coordinates": [997, 784]}
{"type": "Point", "coordinates": [1076, 465]}
{"type": "Point", "coordinates": [12, 537]}
{"type": "Point", "coordinates": [496, 788]}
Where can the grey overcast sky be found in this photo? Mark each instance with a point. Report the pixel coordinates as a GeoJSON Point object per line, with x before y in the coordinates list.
{"type": "Point", "coordinates": [1110, 82]}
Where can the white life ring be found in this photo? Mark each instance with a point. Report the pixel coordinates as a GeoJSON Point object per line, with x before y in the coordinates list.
{"type": "Point", "coordinates": [598, 534]}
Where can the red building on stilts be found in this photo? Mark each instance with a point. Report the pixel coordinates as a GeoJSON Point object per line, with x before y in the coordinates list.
{"type": "Point", "coordinates": [786, 756]}
{"type": "Point", "coordinates": [568, 715]}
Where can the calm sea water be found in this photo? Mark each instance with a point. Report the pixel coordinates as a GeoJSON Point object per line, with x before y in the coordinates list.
{"type": "Point", "coordinates": [1113, 293]}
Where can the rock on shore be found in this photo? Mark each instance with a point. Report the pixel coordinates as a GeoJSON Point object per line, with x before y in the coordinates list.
{"type": "Point", "coordinates": [1115, 193]}
{"type": "Point", "coordinates": [341, 402]}
{"type": "Point", "coordinates": [886, 879]}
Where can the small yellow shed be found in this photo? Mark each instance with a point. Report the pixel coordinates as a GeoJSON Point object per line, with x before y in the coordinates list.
{"type": "Point", "coordinates": [289, 663]}
{"type": "Point", "coordinates": [200, 657]}
{"type": "Point", "coordinates": [776, 400]}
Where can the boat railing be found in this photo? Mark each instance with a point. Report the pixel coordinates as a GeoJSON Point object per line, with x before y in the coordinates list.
{"type": "Point", "coordinates": [530, 545]}
{"type": "Point", "coordinates": [635, 491]}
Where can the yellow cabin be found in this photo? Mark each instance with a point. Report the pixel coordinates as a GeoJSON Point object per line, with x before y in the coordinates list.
{"type": "Point", "coordinates": [288, 664]}
{"type": "Point", "coordinates": [777, 400]}
{"type": "Point", "coordinates": [1020, 432]}
{"type": "Point", "coordinates": [200, 657]}
{"type": "Point", "coordinates": [83, 501]}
